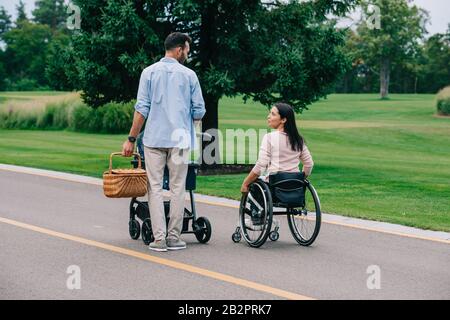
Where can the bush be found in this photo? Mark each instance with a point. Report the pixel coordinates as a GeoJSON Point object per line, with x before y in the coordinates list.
{"type": "Point", "coordinates": [45, 120]}
{"type": "Point", "coordinates": [443, 101]}
{"type": "Point", "coordinates": [117, 117]}
{"type": "Point", "coordinates": [73, 115]}
{"type": "Point", "coordinates": [81, 118]}
{"type": "Point", "coordinates": [56, 116]}
{"type": "Point", "coordinates": [18, 120]}
{"type": "Point", "coordinates": [24, 84]}
{"type": "Point", "coordinates": [62, 115]}
{"type": "Point", "coordinates": [26, 120]}
{"type": "Point", "coordinates": [110, 118]}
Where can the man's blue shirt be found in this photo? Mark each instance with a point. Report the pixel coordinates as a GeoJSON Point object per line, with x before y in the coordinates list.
{"type": "Point", "coordinates": [170, 98]}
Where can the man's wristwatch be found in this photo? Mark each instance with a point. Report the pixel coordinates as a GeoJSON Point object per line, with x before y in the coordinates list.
{"type": "Point", "coordinates": [132, 139]}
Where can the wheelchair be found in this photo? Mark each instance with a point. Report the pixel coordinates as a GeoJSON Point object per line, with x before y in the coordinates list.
{"type": "Point", "coordinates": [286, 193]}
{"type": "Point", "coordinates": [200, 226]}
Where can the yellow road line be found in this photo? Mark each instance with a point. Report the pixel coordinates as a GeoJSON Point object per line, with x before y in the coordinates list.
{"type": "Point", "coordinates": [237, 207]}
{"type": "Point", "coordinates": [166, 262]}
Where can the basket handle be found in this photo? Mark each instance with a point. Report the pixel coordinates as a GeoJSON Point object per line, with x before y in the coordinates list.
{"type": "Point", "coordinates": [120, 154]}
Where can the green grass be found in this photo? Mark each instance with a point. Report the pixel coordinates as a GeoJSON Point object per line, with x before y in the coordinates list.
{"type": "Point", "coordinates": [30, 94]}
{"type": "Point", "coordinates": [380, 160]}
{"type": "Point", "coordinates": [27, 102]}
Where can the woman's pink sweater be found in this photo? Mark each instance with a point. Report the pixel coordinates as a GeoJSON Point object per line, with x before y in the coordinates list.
{"type": "Point", "coordinates": [276, 155]}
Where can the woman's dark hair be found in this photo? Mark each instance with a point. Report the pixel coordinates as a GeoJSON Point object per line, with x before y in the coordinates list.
{"type": "Point", "coordinates": [290, 127]}
{"type": "Point", "coordinates": [175, 40]}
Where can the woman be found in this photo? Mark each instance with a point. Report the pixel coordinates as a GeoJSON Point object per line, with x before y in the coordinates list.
{"type": "Point", "coordinates": [282, 149]}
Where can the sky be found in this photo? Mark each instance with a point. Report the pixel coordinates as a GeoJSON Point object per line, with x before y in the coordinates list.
{"type": "Point", "coordinates": [438, 9]}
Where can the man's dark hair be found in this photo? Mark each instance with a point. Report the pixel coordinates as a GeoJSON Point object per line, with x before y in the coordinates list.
{"type": "Point", "coordinates": [175, 40]}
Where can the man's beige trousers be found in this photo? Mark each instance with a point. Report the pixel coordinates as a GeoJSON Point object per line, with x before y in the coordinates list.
{"type": "Point", "coordinates": [155, 161]}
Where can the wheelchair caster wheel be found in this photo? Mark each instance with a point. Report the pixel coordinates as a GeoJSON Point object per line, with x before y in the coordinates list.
{"type": "Point", "coordinates": [147, 233]}
{"type": "Point", "coordinates": [274, 236]}
{"type": "Point", "coordinates": [236, 237]}
{"type": "Point", "coordinates": [134, 229]}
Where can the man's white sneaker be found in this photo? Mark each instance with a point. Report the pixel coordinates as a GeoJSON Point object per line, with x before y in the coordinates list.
{"type": "Point", "coordinates": [159, 246]}
{"type": "Point", "coordinates": [176, 244]}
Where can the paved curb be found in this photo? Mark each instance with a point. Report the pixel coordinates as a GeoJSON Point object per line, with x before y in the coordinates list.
{"type": "Point", "coordinates": [327, 218]}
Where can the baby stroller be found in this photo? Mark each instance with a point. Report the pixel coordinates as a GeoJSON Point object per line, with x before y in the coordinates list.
{"type": "Point", "coordinates": [200, 227]}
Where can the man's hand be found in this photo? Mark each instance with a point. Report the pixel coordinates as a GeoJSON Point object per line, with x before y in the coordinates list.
{"type": "Point", "coordinates": [127, 148]}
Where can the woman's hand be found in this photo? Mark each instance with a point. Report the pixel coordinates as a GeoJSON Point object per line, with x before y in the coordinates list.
{"type": "Point", "coordinates": [252, 177]}
{"type": "Point", "coordinates": [244, 188]}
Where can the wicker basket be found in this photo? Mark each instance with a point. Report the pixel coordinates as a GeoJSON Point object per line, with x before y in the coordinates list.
{"type": "Point", "coordinates": [124, 183]}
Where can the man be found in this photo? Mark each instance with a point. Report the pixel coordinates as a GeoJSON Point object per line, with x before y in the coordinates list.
{"type": "Point", "coordinates": [170, 98]}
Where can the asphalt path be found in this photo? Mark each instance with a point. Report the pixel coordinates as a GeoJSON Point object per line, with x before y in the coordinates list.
{"type": "Point", "coordinates": [51, 227]}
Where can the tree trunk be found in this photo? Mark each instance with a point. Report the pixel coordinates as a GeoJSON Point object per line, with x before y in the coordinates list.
{"type": "Point", "coordinates": [210, 154]}
{"type": "Point", "coordinates": [385, 73]}
{"type": "Point", "coordinates": [415, 84]}
{"type": "Point", "coordinates": [211, 118]}
{"type": "Point", "coordinates": [347, 77]}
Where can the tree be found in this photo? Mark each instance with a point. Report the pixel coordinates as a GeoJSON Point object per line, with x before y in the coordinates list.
{"type": "Point", "coordinates": [50, 12]}
{"type": "Point", "coordinates": [427, 70]}
{"type": "Point", "coordinates": [5, 21]}
{"type": "Point", "coordinates": [264, 51]}
{"type": "Point", "coordinates": [3, 75]}
{"type": "Point", "coordinates": [21, 14]}
{"type": "Point", "coordinates": [435, 66]}
{"type": "Point", "coordinates": [402, 26]}
{"type": "Point", "coordinates": [26, 49]}
{"type": "Point", "coordinates": [59, 66]}
{"type": "Point", "coordinates": [5, 26]}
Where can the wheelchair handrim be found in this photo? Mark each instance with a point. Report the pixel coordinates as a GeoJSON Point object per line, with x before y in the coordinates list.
{"type": "Point", "coordinates": [264, 233]}
{"type": "Point", "coordinates": [302, 236]}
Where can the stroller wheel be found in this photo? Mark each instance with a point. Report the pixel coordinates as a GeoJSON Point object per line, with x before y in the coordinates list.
{"type": "Point", "coordinates": [147, 234]}
{"type": "Point", "coordinates": [134, 229]}
{"type": "Point", "coordinates": [203, 229]}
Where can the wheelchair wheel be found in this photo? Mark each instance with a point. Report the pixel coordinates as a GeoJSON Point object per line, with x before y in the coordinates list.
{"type": "Point", "coordinates": [236, 237]}
{"type": "Point", "coordinates": [304, 222]}
{"type": "Point", "coordinates": [255, 214]}
{"type": "Point", "coordinates": [147, 233]}
{"type": "Point", "coordinates": [203, 230]}
{"type": "Point", "coordinates": [274, 236]}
